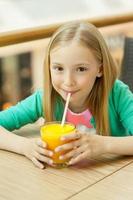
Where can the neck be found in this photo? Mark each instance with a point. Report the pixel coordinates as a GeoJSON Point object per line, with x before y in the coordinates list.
{"type": "Point", "coordinates": [77, 109]}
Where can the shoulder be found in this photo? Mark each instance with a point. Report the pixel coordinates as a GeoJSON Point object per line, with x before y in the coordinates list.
{"type": "Point", "coordinates": [119, 85]}
{"type": "Point", "coordinates": [120, 89]}
{"type": "Point", "coordinates": [121, 96]}
{"type": "Point", "coordinates": [36, 95]}
{"type": "Point", "coordinates": [121, 101]}
{"type": "Point", "coordinates": [32, 102]}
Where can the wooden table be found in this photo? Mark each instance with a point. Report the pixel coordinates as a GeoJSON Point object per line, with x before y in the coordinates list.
{"type": "Point", "coordinates": [108, 178]}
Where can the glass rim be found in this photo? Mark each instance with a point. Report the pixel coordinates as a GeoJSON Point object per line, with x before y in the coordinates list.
{"type": "Point", "coordinates": [57, 122]}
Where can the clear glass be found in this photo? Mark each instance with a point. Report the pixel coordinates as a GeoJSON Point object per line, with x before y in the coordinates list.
{"type": "Point", "coordinates": [51, 133]}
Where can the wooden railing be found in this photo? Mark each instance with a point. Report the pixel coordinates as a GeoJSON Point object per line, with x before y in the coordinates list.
{"type": "Point", "coordinates": [25, 35]}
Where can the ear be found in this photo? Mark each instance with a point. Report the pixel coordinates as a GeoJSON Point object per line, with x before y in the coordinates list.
{"type": "Point", "coordinates": [100, 72]}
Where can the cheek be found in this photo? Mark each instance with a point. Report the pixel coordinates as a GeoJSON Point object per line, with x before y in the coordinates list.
{"type": "Point", "coordinates": [55, 80]}
{"type": "Point", "coordinates": [87, 82]}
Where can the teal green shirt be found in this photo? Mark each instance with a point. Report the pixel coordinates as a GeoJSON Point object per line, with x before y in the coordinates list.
{"type": "Point", "coordinates": [31, 109]}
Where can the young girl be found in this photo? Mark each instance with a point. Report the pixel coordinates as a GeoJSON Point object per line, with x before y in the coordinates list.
{"type": "Point", "coordinates": [77, 61]}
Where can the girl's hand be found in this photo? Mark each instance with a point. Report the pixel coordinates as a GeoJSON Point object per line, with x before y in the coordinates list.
{"type": "Point", "coordinates": [35, 150]}
{"type": "Point", "coordinates": [82, 146]}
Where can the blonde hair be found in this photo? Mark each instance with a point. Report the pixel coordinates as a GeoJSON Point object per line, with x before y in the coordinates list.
{"type": "Point", "coordinates": [87, 35]}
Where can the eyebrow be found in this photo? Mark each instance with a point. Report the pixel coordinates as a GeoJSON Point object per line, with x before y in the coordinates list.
{"type": "Point", "coordinates": [79, 64]}
{"type": "Point", "coordinates": [56, 63]}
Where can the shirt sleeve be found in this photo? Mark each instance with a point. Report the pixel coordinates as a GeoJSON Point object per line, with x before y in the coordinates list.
{"type": "Point", "coordinates": [26, 111]}
{"type": "Point", "coordinates": [124, 105]}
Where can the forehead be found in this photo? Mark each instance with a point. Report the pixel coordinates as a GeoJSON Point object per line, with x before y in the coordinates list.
{"type": "Point", "coordinates": [71, 51]}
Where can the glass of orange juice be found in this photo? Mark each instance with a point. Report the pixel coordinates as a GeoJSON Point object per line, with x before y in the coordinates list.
{"type": "Point", "coordinates": [51, 133]}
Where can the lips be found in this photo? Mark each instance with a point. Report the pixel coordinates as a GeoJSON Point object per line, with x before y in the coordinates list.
{"type": "Point", "coordinates": [72, 92]}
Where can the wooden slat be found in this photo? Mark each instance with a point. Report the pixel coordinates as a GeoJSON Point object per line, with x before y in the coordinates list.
{"type": "Point", "coordinates": [29, 34]}
{"type": "Point", "coordinates": [20, 179]}
{"type": "Point", "coordinates": [117, 186]}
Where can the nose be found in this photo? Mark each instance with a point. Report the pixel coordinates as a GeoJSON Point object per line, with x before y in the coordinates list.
{"type": "Point", "coordinates": [69, 79]}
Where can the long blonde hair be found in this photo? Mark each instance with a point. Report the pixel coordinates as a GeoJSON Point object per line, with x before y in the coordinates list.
{"type": "Point", "coordinates": [87, 35]}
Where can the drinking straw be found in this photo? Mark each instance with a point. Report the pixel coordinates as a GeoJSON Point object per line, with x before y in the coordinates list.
{"type": "Point", "coordinates": [65, 110]}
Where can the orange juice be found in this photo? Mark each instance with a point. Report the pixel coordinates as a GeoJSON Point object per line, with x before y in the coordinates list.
{"type": "Point", "coordinates": [51, 133]}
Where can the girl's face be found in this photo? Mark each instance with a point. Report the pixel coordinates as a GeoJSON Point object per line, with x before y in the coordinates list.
{"type": "Point", "coordinates": [74, 69]}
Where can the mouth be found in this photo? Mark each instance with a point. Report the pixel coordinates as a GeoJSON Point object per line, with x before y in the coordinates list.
{"type": "Point", "coordinates": [71, 92]}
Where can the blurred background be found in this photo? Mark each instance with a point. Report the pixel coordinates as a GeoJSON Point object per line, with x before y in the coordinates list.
{"type": "Point", "coordinates": [25, 29]}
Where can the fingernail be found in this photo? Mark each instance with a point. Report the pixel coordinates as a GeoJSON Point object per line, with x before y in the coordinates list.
{"type": "Point", "coordinates": [41, 166]}
{"type": "Point", "coordinates": [70, 162]}
{"type": "Point", "coordinates": [61, 157]}
{"type": "Point", "coordinates": [51, 153]}
{"type": "Point", "coordinates": [57, 149]}
{"type": "Point", "coordinates": [44, 145]}
{"type": "Point", "coordinates": [62, 138]}
{"type": "Point", "coordinates": [50, 162]}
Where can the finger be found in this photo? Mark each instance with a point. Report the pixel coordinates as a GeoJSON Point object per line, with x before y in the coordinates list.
{"type": "Point", "coordinates": [41, 143]}
{"type": "Point", "coordinates": [44, 152]}
{"type": "Point", "coordinates": [68, 155]}
{"type": "Point", "coordinates": [72, 136]}
{"type": "Point", "coordinates": [77, 159]}
{"type": "Point", "coordinates": [74, 153]}
{"type": "Point", "coordinates": [43, 158]}
{"type": "Point", "coordinates": [68, 146]}
{"type": "Point", "coordinates": [37, 163]}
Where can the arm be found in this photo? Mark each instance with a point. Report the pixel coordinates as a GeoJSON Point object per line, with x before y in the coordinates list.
{"type": "Point", "coordinates": [89, 146]}
{"type": "Point", "coordinates": [26, 111]}
{"type": "Point", "coordinates": [34, 149]}
{"type": "Point", "coordinates": [11, 142]}
{"type": "Point", "coordinates": [119, 145]}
